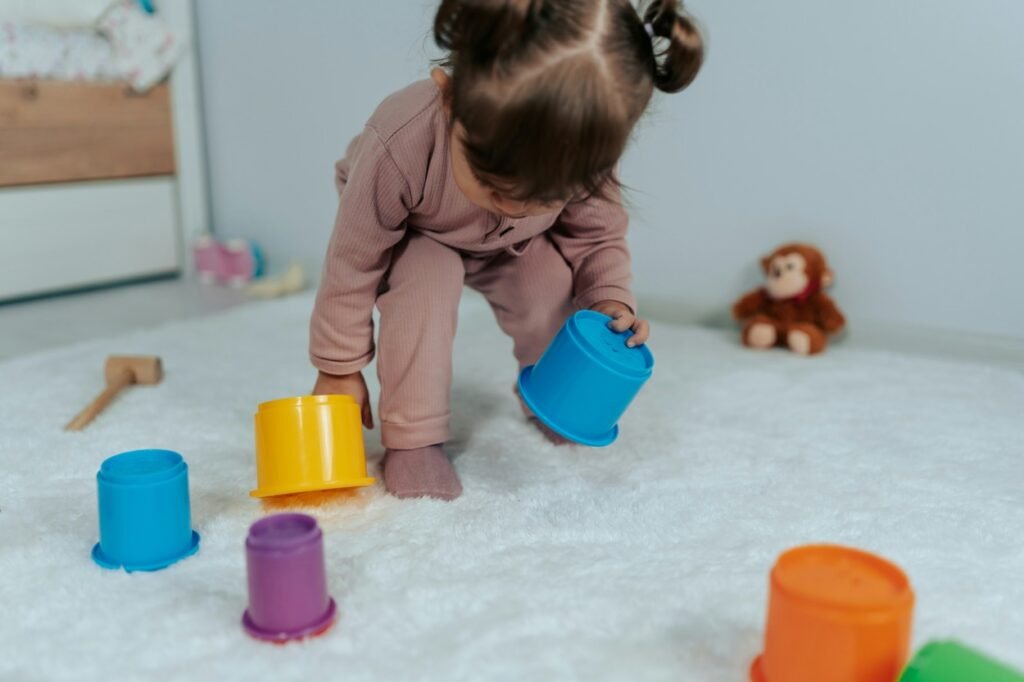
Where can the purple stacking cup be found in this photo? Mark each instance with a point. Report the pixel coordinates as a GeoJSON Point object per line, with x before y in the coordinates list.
{"type": "Point", "coordinates": [287, 583]}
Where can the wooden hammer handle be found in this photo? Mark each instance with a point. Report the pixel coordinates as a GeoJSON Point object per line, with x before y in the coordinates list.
{"type": "Point", "coordinates": [122, 380]}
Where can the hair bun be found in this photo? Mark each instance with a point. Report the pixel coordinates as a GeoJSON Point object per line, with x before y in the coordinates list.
{"type": "Point", "coordinates": [679, 62]}
{"type": "Point", "coordinates": [485, 28]}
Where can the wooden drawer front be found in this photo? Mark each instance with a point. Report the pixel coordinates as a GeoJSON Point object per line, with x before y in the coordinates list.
{"type": "Point", "coordinates": [62, 132]}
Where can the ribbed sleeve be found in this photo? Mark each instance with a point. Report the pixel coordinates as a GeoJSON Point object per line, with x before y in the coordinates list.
{"type": "Point", "coordinates": [371, 220]}
{"type": "Point", "coordinates": [591, 235]}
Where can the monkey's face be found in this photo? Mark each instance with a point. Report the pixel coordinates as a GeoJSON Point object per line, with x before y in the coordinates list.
{"type": "Point", "coordinates": [786, 276]}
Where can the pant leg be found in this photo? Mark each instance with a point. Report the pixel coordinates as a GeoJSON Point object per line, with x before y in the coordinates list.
{"type": "Point", "coordinates": [531, 295]}
{"type": "Point", "coordinates": [418, 312]}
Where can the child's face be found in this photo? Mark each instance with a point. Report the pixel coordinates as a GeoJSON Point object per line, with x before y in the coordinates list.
{"type": "Point", "coordinates": [486, 195]}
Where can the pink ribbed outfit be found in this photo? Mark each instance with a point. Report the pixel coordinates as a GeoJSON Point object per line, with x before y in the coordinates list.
{"type": "Point", "coordinates": [408, 240]}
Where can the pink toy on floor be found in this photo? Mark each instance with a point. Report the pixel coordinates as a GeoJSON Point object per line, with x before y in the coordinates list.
{"type": "Point", "coordinates": [236, 262]}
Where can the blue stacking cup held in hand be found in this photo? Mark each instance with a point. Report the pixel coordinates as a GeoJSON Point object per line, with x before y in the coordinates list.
{"type": "Point", "coordinates": [145, 520]}
{"type": "Point", "coordinates": [586, 379]}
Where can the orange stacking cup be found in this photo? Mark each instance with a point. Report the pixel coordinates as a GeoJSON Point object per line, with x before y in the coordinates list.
{"type": "Point", "coordinates": [312, 442]}
{"type": "Point", "coordinates": [835, 614]}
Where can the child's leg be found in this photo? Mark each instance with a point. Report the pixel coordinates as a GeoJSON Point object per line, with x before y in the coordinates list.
{"type": "Point", "coordinates": [418, 308]}
{"type": "Point", "coordinates": [532, 297]}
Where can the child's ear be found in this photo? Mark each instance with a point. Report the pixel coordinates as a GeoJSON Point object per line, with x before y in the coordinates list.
{"type": "Point", "coordinates": [444, 83]}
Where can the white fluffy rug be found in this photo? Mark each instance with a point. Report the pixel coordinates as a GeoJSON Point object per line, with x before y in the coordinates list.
{"type": "Point", "coordinates": [644, 561]}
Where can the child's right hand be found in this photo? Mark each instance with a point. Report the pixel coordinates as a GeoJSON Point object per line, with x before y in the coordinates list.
{"type": "Point", "coordinates": [347, 384]}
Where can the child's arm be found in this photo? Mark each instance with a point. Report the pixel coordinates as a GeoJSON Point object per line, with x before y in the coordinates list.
{"type": "Point", "coordinates": [371, 220]}
{"type": "Point", "coordinates": [591, 236]}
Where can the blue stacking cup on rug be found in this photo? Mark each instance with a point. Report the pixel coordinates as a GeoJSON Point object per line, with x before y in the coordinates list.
{"type": "Point", "coordinates": [586, 379]}
{"type": "Point", "coordinates": [145, 520]}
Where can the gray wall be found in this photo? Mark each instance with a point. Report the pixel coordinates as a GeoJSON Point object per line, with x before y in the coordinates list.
{"type": "Point", "coordinates": [285, 86]}
{"type": "Point", "coordinates": [889, 133]}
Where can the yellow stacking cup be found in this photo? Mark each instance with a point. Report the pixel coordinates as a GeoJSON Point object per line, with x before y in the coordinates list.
{"type": "Point", "coordinates": [311, 442]}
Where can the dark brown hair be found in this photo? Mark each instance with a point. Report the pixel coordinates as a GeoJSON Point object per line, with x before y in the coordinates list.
{"type": "Point", "coordinates": [548, 91]}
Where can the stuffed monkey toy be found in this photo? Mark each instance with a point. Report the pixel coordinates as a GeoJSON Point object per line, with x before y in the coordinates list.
{"type": "Point", "coordinates": [791, 309]}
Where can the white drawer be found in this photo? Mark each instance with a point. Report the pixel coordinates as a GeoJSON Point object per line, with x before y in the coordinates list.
{"type": "Point", "coordinates": [56, 237]}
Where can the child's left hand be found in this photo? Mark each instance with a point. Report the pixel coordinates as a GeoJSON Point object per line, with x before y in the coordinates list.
{"type": "Point", "coordinates": [623, 319]}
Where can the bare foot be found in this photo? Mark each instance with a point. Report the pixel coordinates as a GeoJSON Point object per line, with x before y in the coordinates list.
{"type": "Point", "coordinates": [553, 438]}
{"type": "Point", "coordinates": [423, 472]}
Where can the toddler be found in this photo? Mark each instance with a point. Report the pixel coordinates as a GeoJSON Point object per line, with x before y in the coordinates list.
{"type": "Point", "coordinates": [497, 173]}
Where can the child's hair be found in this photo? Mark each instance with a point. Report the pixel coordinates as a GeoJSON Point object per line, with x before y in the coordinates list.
{"type": "Point", "coordinates": [548, 91]}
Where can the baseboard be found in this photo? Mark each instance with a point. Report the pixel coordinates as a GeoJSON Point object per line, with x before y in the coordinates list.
{"type": "Point", "coordinates": [873, 334]}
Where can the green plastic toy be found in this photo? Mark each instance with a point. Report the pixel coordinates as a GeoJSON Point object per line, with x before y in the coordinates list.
{"type": "Point", "coordinates": [953, 662]}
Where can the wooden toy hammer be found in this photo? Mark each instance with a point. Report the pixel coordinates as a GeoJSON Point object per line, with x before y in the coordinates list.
{"type": "Point", "coordinates": [121, 371]}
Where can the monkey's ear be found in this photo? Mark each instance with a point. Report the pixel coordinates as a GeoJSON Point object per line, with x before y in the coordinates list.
{"type": "Point", "coordinates": [827, 278]}
{"type": "Point", "coordinates": [766, 263]}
